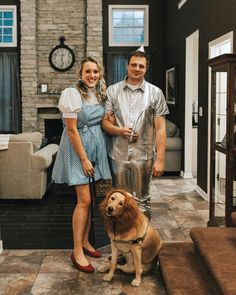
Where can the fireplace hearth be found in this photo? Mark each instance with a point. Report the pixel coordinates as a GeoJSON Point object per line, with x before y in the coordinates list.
{"type": "Point", "coordinates": [49, 123]}
{"type": "Point", "coordinates": [53, 130]}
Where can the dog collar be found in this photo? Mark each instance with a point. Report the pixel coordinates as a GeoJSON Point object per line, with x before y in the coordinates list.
{"type": "Point", "coordinates": [136, 241]}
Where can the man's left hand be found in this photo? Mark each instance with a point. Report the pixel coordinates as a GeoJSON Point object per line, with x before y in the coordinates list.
{"type": "Point", "coordinates": [158, 168]}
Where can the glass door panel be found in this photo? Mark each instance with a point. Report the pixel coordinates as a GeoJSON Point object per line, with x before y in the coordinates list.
{"type": "Point", "coordinates": [221, 107]}
{"type": "Point", "coordinates": [220, 177]}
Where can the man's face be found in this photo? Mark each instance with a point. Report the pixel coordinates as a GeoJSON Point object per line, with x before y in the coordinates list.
{"type": "Point", "coordinates": [136, 68]}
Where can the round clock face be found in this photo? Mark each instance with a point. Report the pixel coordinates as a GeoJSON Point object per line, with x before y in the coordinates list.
{"type": "Point", "coordinates": [62, 58]}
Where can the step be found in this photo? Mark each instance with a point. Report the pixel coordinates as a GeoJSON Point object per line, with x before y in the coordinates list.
{"type": "Point", "coordinates": [233, 216]}
{"type": "Point", "coordinates": [181, 271]}
{"type": "Point", "coordinates": [217, 249]}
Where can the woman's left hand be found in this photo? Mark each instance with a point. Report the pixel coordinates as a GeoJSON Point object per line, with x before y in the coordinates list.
{"type": "Point", "coordinates": [87, 167]}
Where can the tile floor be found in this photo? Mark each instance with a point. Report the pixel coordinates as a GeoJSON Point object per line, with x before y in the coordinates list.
{"type": "Point", "coordinates": [44, 223]}
{"type": "Point", "coordinates": [177, 208]}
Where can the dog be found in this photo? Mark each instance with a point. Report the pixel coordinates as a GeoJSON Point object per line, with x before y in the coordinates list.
{"type": "Point", "coordinates": [131, 234]}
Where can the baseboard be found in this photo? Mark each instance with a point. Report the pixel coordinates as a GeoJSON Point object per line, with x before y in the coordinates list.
{"type": "Point", "coordinates": [202, 193]}
{"type": "Point", "coordinates": [1, 246]}
{"type": "Point", "coordinates": [186, 174]}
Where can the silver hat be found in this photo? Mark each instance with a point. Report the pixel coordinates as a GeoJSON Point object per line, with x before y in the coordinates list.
{"type": "Point", "coordinates": [141, 49]}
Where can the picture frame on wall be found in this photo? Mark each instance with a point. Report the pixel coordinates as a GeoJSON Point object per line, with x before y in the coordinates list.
{"type": "Point", "coordinates": [171, 86]}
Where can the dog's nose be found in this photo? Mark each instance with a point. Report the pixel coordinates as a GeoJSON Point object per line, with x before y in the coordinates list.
{"type": "Point", "coordinates": [110, 209]}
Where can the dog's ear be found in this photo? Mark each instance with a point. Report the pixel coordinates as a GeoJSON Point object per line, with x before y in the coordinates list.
{"type": "Point", "coordinates": [131, 210]}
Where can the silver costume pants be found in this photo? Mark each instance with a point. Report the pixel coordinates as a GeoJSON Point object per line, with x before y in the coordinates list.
{"type": "Point", "coordinates": [134, 177]}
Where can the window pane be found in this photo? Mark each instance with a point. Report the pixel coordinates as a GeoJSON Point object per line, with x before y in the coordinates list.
{"type": "Point", "coordinates": [8, 22]}
{"type": "Point", "coordinates": [117, 38]}
{"type": "Point", "coordinates": [138, 22]}
{"type": "Point", "coordinates": [1, 14]}
{"type": "Point", "coordinates": [129, 31]}
{"type": "Point", "coordinates": [139, 31]}
{"type": "Point", "coordinates": [8, 14]}
{"type": "Point", "coordinates": [139, 38]}
{"type": "Point", "coordinates": [7, 39]}
{"type": "Point", "coordinates": [7, 31]}
{"type": "Point", "coordinates": [0, 39]}
{"type": "Point", "coordinates": [128, 14]}
{"type": "Point", "coordinates": [117, 14]}
{"type": "Point", "coordinates": [138, 14]}
{"type": "Point", "coordinates": [0, 22]}
{"type": "Point", "coordinates": [128, 22]}
{"type": "Point", "coordinates": [118, 31]}
{"type": "Point", "coordinates": [116, 22]}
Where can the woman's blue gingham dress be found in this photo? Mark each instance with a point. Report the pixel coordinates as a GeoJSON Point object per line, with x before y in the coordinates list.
{"type": "Point", "coordinates": [67, 167]}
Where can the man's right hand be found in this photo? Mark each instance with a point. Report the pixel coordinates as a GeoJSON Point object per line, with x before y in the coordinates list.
{"type": "Point", "coordinates": [127, 133]}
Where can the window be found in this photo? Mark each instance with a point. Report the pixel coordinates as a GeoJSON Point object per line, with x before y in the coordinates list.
{"type": "Point", "coordinates": [128, 25]}
{"type": "Point", "coordinates": [8, 27]}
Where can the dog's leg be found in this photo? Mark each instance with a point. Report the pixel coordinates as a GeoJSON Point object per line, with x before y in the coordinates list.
{"type": "Point", "coordinates": [114, 256]}
{"type": "Point", "coordinates": [137, 255]}
{"type": "Point", "coordinates": [104, 267]}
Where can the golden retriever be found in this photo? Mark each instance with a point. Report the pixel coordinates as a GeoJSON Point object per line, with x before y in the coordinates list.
{"type": "Point", "coordinates": [131, 234]}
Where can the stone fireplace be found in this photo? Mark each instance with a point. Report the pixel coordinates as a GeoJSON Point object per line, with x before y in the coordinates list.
{"type": "Point", "coordinates": [43, 22]}
{"type": "Point", "coordinates": [49, 123]}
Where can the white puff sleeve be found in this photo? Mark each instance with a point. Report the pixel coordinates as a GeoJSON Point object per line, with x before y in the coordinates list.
{"type": "Point", "coordinates": [70, 103]}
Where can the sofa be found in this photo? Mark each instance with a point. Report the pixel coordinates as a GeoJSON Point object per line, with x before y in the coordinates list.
{"type": "Point", "coordinates": [173, 148]}
{"type": "Point", "coordinates": [24, 166]}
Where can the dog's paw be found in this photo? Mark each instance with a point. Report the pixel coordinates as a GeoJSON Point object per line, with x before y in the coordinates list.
{"type": "Point", "coordinates": [104, 267]}
{"type": "Point", "coordinates": [136, 283]}
{"type": "Point", "coordinates": [107, 277]}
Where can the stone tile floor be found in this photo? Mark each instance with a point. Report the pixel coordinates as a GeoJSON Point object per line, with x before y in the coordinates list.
{"type": "Point", "coordinates": [177, 207]}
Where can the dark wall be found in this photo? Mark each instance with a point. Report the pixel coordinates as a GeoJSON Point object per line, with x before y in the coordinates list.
{"type": "Point", "coordinates": [156, 35]}
{"type": "Point", "coordinates": [213, 19]}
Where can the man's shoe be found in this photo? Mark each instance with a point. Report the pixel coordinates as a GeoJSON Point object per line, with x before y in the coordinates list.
{"type": "Point", "coordinates": [85, 268]}
{"type": "Point", "coordinates": [95, 254]}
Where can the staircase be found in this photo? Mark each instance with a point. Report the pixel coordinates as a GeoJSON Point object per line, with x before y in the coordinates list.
{"type": "Point", "coordinates": [206, 265]}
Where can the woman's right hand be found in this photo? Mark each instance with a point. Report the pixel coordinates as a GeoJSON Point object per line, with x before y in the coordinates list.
{"type": "Point", "coordinates": [112, 118]}
{"type": "Point", "coordinates": [87, 167]}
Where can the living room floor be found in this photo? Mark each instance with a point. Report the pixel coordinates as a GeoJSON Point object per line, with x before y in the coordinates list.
{"type": "Point", "coordinates": [176, 206]}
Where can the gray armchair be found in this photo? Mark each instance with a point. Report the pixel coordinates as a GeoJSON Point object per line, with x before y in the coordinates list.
{"type": "Point", "coordinates": [24, 167]}
{"type": "Point", "coordinates": [173, 148]}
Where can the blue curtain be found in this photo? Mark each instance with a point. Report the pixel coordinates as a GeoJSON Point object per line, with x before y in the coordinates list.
{"type": "Point", "coordinates": [116, 64]}
{"type": "Point", "coordinates": [10, 105]}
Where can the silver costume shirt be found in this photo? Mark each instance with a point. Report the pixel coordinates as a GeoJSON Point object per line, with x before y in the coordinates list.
{"type": "Point", "coordinates": [136, 109]}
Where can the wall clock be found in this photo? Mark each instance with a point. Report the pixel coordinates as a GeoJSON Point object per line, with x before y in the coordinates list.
{"type": "Point", "coordinates": [62, 57]}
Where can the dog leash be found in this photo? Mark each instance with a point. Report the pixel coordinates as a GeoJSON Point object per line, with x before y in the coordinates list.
{"type": "Point", "coordinates": [92, 190]}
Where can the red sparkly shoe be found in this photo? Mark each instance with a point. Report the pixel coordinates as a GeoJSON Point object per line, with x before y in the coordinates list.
{"type": "Point", "coordinates": [85, 268]}
{"type": "Point", "coordinates": [95, 254]}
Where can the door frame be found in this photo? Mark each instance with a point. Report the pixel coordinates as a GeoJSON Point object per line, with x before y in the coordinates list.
{"type": "Point", "coordinates": [191, 93]}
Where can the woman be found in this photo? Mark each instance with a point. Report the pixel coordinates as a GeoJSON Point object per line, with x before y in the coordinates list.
{"type": "Point", "coordinates": [82, 144]}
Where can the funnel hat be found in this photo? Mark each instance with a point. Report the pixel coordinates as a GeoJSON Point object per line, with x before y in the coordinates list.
{"type": "Point", "coordinates": [141, 49]}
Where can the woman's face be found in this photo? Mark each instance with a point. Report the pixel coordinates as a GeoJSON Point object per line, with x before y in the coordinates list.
{"type": "Point", "coordinates": [90, 74]}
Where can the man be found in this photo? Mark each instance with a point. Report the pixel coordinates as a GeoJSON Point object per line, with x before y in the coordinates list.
{"type": "Point", "coordinates": [139, 136]}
